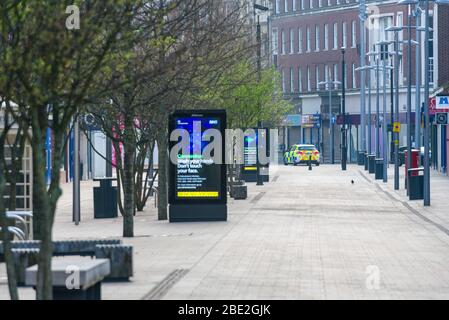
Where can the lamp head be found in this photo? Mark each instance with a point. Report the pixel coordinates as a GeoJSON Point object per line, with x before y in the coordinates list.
{"type": "Point", "coordinates": [394, 28]}
{"type": "Point", "coordinates": [408, 2]}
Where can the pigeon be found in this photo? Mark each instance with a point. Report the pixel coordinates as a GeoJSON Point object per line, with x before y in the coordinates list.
{"type": "Point", "coordinates": [352, 181]}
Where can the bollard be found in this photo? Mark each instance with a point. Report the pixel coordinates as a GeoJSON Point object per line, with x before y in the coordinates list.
{"type": "Point", "coordinates": [310, 163]}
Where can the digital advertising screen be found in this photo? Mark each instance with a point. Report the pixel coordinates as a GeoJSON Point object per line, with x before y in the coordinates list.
{"type": "Point", "coordinates": [196, 178]}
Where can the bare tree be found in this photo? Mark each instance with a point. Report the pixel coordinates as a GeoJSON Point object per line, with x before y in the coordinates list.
{"type": "Point", "coordinates": [51, 70]}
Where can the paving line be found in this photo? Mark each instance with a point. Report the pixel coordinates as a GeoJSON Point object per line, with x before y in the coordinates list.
{"type": "Point", "coordinates": [257, 197]}
{"type": "Point", "coordinates": [162, 288]}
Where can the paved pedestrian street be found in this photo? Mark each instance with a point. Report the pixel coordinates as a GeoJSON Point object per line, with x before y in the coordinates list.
{"type": "Point", "coordinates": [304, 235]}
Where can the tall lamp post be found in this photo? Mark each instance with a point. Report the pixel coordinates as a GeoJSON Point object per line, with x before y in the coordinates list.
{"type": "Point", "coordinates": [362, 17]}
{"type": "Point", "coordinates": [259, 78]}
{"type": "Point", "coordinates": [396, 126]}
{"type": "Point", "coordinates": [330, 84]}
{"type": "Point", "coordinates": [383, 51]}
{"type": "Point", "coordinates": [344, 148]}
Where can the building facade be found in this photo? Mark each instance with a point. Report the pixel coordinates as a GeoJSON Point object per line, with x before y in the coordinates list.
{"type": "Point", "coordinates": [307, 37]}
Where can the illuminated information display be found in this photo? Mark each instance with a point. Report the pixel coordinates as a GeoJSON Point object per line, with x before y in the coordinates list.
{"type": "Point", "coordinates": [197, 176]}
{"type": "Point", "coordinates": [249, 169]}
{"type": "Point", "coordinates": [197, 189]}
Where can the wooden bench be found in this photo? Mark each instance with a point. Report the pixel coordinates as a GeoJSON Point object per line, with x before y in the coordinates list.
{"type": "Point", "coordinates": [74, 278]}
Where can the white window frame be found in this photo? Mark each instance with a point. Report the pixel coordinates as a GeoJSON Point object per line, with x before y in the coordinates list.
{"type": "Point", "coordinates": [335, 75]}
{"type": "Point", "coordinates": [309, 80]}
{"type": "Point", "coordinates": [292, 41]}
{"type": "Point", "coordinates": [344, 39]}
{"type": "Point", "coordinates": [300, 42]}
{"type": "Point", "coordinates": [335, 36]}
{"type": "Point", "coordinates": [308, 46]}
{"type": "Point", "coordinates": [354, 78]}
{"type": "Point", "coordinates": [283, 41]}
{"type": "Point", "coordinates": [354, 34]}
{"type": "Point", "coordinates": [283, 80]}
{"type": "Point", "coordinates": [275, 41]}
{"type": "Point", "coordinates": [292, 80]}
{"type": "Point", "coordinates": [326, 37]}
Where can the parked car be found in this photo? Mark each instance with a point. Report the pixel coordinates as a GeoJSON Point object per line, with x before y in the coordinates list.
{"type": "Point", "coordinates": [301, 153]}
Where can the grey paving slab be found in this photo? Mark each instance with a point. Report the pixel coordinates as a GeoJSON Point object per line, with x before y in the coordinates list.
{"type": "Point", "coordinates": [308, 235]}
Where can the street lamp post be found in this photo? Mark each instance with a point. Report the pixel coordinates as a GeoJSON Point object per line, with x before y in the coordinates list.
{"type": "Point", "coordinates": [377, 109]}
{"type": "Point", "coordinates": [426, 111]}
{"type": "Point", "coordinates": [397, 57]}
{"type": "Point", "coordinates": [370, 121]}
{"type": "Point", "coordinates": [383, 54]}
{"type": "Point", "coordinates": [76, 216]}
{"type": "Point", "coordinates": [418, 79]}
{"type": "Point", "coordinates": [362, 17]}
{"type": "Point", "coordinates": [329, 84]}
{"type": "Point", "coordinates": [409, 95]}
{"type": "Point", "coordinates": [344, 151]}
{"type": "Point", "coordinates": [259, 78]}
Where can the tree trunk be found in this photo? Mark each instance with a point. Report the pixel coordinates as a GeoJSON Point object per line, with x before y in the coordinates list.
{"type": "Point", "coordinates": [128, 179]}
{"type": "Point", "coordinates": [163, 175]}
{"type": "Point", "coordinates": [41, 211]}
{"type": "Point", "coordinates": [10, 270]}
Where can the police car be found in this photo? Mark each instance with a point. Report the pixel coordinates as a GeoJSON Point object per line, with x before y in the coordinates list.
{"type": "Point", "coordinates": [300, 153]}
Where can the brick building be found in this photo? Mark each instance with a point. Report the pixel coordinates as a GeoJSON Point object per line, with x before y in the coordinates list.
{"type": "Point", "coordinates": [306, 41]}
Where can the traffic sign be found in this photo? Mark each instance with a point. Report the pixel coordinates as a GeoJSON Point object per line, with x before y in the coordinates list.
{"type": "Point", "coordinates": [441, 118]}
{"type": "Point", "coordinates": [397, 127]}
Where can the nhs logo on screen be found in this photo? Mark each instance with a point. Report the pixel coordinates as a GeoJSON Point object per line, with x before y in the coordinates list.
{"type": "Point", "coordinates": [211, 122]}
{"type": "Point", "coordinates": [443, 102]}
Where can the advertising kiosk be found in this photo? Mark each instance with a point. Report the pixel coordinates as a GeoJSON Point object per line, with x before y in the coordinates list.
{"type": "Point", "coordinates": [197, 181]}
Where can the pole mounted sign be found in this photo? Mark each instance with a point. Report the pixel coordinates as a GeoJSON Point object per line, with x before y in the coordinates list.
{"type": "Point", "coordinates": [197, 175]}
{"type": "Point", "coordinates": [438, 104]}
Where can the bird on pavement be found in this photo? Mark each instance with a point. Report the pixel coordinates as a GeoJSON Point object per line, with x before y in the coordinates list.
{"type": "Point", "coordinates": [352, 181]}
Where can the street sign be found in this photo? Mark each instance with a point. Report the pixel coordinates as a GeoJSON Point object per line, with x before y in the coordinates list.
{"type": "Point", "coordinates": [397, 127]}
{"type": "Point", "coordinates": [311, 120]}
{"type": "Point", "coordinates": [441, 118]}
{"type": "Point", "coordinates": [438, 104]}
{"type": "Point", "coordinates": [442, 103]}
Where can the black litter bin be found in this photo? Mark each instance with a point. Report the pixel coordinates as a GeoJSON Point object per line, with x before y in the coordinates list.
{"type": "Point", "coordinates": [416, 184]}
{"type": "Point", "coordinates": [105, 199]}
{"type": "Point", "coordinates": [372, 163]}
{"type": "Point", "coordinates": [379, 174]}
{"type": "Point", "coordinates": [361, 158]}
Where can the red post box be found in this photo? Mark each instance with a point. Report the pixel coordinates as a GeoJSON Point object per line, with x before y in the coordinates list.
{"type": "Point", "coordinates": [416, 154]}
